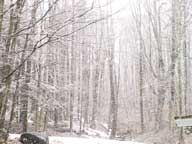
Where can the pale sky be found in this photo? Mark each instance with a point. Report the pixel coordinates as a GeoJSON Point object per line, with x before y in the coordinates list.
{"type": "Point", "coordinates": [119, 4]}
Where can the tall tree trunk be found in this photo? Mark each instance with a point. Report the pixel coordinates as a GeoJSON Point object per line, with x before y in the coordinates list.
{"type": "Point", "coordinates": [113, 97]}
{"type": "Point", "coordinates": [55, 117]}
{"type": "Point", "coordinates": [113, 104]}
{"type": "Point", "coordinates": [25, 93]}
{"type": "Point", "coordinates": [4, 94]}
{"type": "Point", "coordinates": [45, 120]}
{"type": "Point", "coordinates": [141, 89]}
{"type": "Point", "coordinates": [6, 82]}
{"type": "Point", "coordinates": [141, 72]}
{"type": "Point", "coordinates": [161, 71]}
{"type": "Point", "coordinates": [38, 94]}
{"type": "Point", "coordinates": [95, 82]}
{"type": "Point", "coordinates": [173, 65]}
{"type": "Point", "coordinates": [72, 70]}
{"type": "Point", "coordinates": [15, 94]}
{"type": "Point", "coordinates": [182, 65]}
{"type": "Point", "coordinates": [1, 14]}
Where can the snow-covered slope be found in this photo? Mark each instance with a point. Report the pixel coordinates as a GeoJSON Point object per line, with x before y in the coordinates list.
{"type": "Point", "coordinates": [80, 140]}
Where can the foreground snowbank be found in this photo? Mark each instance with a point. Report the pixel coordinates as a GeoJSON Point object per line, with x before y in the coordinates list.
{"type": "Point", "coordinates": [79, 140]}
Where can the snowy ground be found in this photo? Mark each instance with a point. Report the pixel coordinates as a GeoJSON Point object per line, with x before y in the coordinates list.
{"type": "Point", "coordinates": [72, 140]}
{"type": "Point", "coordinates": [79, 140]}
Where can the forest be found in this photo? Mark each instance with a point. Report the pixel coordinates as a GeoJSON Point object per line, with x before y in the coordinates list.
{"type": "Point", "coordinates": [109, 69]}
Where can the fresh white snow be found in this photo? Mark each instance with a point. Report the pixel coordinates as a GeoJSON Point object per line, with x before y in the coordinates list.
{"type": "Point", "coordinates": [79, 140]}
{"type": "Point", "coordinates": [76, 140]}
{"type": "Point", "coordinates": [92, 132]}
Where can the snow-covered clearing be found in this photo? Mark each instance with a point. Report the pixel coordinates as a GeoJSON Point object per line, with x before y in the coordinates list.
{"type": "Point", "coordinates": [79, 140]}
